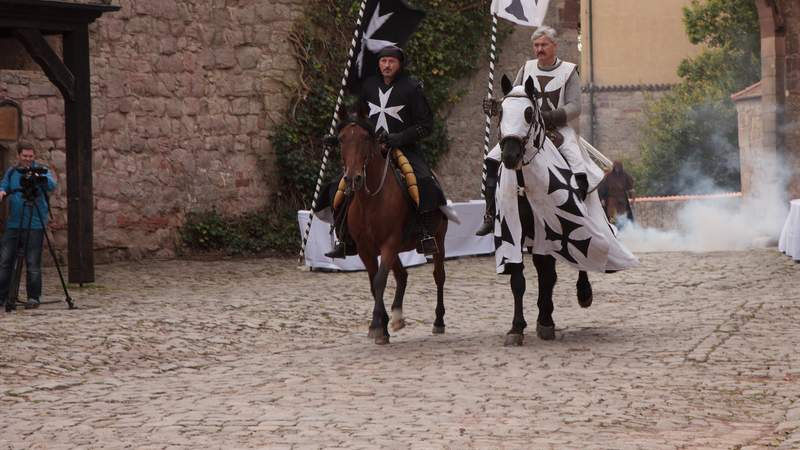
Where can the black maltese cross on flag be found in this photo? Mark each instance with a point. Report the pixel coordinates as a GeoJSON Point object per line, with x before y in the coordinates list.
{"type": "Point", "coordinates": [524, 12]}
{"type": "Point", "coordinates": [385, 22]}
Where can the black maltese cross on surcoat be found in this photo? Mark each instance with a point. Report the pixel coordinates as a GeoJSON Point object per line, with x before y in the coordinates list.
{"type": "Point", "coordinates": [563, 238]}
{"type": "Point", "coordinates": [555, 184]}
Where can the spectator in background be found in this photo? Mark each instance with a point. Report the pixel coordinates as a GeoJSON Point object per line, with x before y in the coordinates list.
{"type": "Point", "coordinates": [23, 214]}
{"type": "Point", "coordinates": [616, 194]}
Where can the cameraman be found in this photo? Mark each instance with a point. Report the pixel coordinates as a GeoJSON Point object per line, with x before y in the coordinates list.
{"type": "Point", "coordinates": [34, 180]}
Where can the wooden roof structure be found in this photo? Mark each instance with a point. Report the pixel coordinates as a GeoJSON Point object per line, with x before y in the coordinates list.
{"type": "Point", "coordinates": [29, 21]}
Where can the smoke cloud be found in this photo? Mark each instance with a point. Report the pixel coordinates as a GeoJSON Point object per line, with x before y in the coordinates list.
{"type": "Point", "coordinates": [735, 223]}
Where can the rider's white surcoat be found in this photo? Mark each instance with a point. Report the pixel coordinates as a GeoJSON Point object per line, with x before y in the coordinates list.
{"type": "Point", "coordinates": [551, 83]}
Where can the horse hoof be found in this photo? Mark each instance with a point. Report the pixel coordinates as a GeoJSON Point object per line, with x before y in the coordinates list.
{"type": "Point", "coordinates": [382, 339]}
{"type": "Point", "coordinates": [438, 330]}
{"type": "Point", "coordinates": [546, 333]}
{"type": "Point", "coordinates": [374, 332]}
{"type": "Point", "coordinates": [514, 340]}
{"type": "Point", "coordinates": [398, 324]}
{"type": "Point", "coordinates": [585, 297]}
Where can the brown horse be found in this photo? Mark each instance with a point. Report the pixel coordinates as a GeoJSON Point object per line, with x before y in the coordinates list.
{"type": "Point", "coordinates": [379, 218]}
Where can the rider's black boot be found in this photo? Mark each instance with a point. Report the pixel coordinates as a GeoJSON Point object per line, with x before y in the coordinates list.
{"type": "Point", "coordinates": [345, 244]}
{"type": "Point", "coordinates": [491, 186]}
{"type": "Point", "coordinates": [427, 243]}
{"type": "Point", "coordinates": [339, 250]}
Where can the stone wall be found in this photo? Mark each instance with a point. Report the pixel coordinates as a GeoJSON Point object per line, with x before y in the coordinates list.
{"type": "Point", "coordinates": [791, 129]}
{"type": "Point", "coordinates": [618, 118]}
{"type": "Point", "coordinates": [185, 95]}
{"type": "Point", "coordinates": [460, 170]}
{"type": "Point", "coordinates": [748, 110]}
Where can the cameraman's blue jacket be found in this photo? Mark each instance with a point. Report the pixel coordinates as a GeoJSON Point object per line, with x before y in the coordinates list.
{"type": "Point", "coordinates": [17, 218]}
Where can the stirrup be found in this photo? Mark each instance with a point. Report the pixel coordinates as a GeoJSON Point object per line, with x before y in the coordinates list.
{"type": "Point", "coordinates": [486, 227]}
{"type": "Point", "coordinates": [427, 245]}
{"type": "Point", "coordinates": [338, 251]}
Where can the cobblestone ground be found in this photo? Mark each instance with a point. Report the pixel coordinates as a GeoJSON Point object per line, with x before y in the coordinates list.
{"type": "Point", "coordinates": [685, 351]}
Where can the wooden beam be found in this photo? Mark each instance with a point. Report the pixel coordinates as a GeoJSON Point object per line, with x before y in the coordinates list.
{"type": "Point", "coordinates": [51, 64]}
{"type": "Point", "coordinates": [78, 121]}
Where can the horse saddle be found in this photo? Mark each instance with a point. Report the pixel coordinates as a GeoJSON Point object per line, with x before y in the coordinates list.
{"type": "Point", "coordinates": [403, 171]}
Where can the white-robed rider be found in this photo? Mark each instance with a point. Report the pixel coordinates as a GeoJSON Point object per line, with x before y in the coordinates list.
{"type": "Point", "coordinates": [559, 84]}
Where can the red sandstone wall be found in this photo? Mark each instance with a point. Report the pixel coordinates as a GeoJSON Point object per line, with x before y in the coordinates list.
{"type": "Point", "coordinates": [185, 95]}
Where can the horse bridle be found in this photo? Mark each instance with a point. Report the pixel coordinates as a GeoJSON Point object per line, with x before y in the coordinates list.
{"type": "Point", "coordinates": [368, 127]}
{"type": "Point", "coordinates": [523, 140]}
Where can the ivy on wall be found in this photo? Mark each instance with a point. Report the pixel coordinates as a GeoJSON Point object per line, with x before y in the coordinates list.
{"type": "Point", "coordinates": [449, 45]}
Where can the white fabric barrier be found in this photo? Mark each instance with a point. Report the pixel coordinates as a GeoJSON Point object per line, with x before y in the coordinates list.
{"type": "Point", "coordinates": [789, 241]}
{"type": "Point", "coordinates": [459, 241]}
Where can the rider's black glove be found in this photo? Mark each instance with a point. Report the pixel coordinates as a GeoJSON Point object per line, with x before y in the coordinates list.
{"type": "Point", "coordinates": [489, 106]}
{"type": "Point", "coordinates": [554, 119]}
{"type": "Point", "coordinates": [394, 140]}
{"type": "Point", "coordinates": [331, 140]}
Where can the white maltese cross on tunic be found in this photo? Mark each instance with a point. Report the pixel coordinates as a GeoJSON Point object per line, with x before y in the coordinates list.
{"type": "Point", "coordinates": [383, 110]}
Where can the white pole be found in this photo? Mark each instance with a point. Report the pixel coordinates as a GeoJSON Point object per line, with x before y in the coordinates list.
{"type": "Point", "coordinates": [489, 94]}
{"type": "Point", "coordinates": [332, 129]}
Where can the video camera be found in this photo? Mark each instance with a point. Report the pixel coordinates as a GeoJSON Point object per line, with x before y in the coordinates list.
{"type": "Point", "coordinates": [32, 177]}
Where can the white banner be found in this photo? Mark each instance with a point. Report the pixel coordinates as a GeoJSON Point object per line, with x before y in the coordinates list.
{"type": "Point", "coordinates": [524, 12]}
{"type": "Point", "coordinates": [460, 240]}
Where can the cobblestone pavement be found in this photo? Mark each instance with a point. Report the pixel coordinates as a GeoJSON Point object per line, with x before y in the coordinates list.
{"type": "Point", "coordinates": [685, 351]}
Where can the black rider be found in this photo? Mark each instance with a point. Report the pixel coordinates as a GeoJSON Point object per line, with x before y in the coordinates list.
{"type": "Point", "coordinates": [396, 106]}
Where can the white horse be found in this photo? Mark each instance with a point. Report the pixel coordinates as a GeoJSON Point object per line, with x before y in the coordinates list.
{"type": "Point", "coordinates": [541, 208]}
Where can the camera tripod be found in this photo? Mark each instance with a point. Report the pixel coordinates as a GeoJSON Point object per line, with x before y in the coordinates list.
{"type": "Point", "coordinates": [29, 196]}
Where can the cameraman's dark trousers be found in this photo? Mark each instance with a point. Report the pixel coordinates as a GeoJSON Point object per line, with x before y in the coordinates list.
{"type": "Point", "coordinates": [12, 239]}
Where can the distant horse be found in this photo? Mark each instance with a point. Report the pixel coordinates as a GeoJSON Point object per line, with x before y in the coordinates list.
{"type": "Point", "coordinates": [522, 141]}
{"type": "Point", "coordinates": [380, 219]}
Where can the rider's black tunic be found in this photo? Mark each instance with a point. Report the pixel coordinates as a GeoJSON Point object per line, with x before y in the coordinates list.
{"type": "Point", "coordinates": [401, 107]}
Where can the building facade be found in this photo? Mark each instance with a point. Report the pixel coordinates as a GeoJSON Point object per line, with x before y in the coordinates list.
{"type": "Point", "coordinates": [631, 51]}
{"type": "Point", "coordinates": [778, 138]}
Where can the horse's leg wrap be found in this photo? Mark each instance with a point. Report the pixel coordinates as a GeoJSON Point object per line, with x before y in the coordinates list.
{"type": "Point", "coordinates": [515, 335]}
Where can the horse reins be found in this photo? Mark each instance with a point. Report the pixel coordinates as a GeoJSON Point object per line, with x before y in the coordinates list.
{"type": "Point", "coordinates": [365, 125]}
{"type": "Point", "coordinates": [383, 177]}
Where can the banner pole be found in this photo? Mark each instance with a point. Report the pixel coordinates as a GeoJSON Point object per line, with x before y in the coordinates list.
{"type": "Point", "coordinates": [489, 94]}
{"type": "Point", "coordinates": [332, 128]}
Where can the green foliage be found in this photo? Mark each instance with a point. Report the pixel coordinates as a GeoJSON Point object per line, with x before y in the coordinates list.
{"type": "Point", "coordinates": [690, 138]}
{"type": "Point", "coordinates": [447, 46]}
{"type": "Point", "coordinates": [730, 30]}
{"type": "Point", "coordinates": [252, 233]}
{"type": "Point", "coordinates": [690, 133]}
{"type": "Point", "coordinates": [451, 40]}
